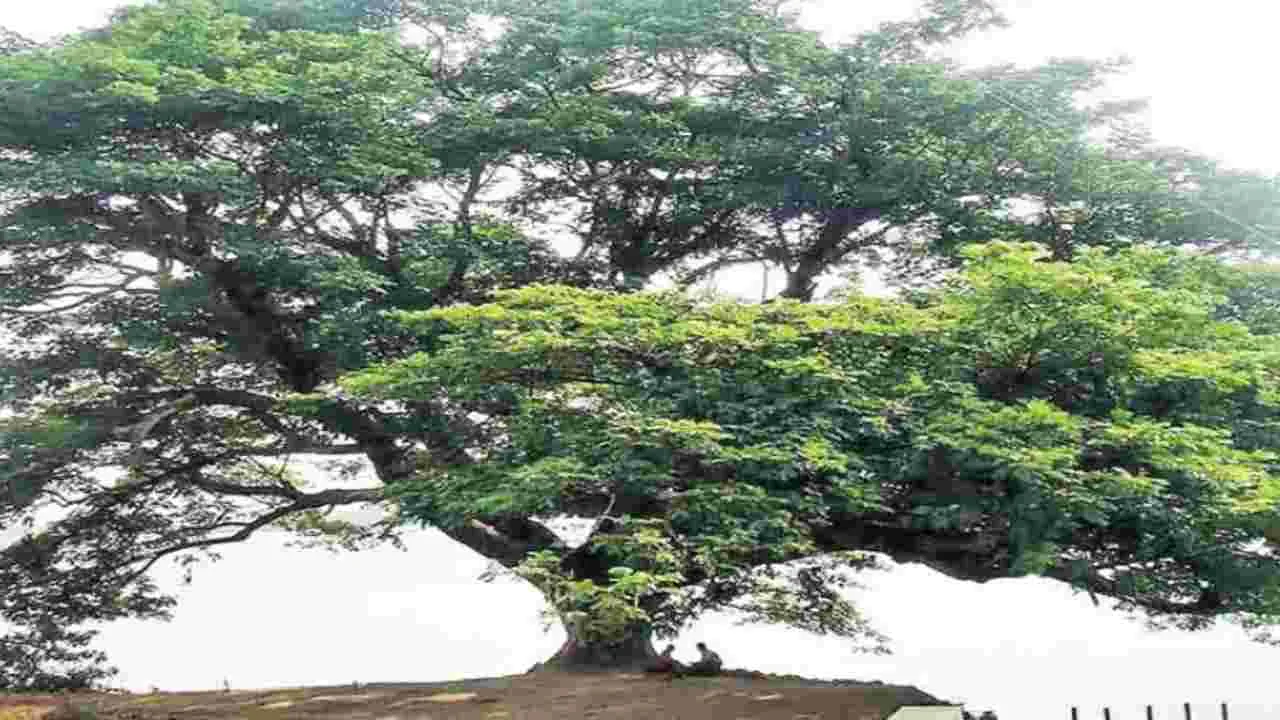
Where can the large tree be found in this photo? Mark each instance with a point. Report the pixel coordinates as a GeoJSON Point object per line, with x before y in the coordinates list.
{"type": "Point", "coordinates": [208, 209]}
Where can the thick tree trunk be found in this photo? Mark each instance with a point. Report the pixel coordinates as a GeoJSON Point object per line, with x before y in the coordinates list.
{"type": "Point", "coordinates": [633, 653]}
{"type": "Point", "coordinates": [800, 286]}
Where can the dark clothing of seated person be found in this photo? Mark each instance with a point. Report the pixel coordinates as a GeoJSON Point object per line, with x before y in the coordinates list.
{"type": "Point", "coordinates": [708, 664]}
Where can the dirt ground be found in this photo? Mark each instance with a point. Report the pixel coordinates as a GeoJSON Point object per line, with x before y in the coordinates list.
{"type": "Point", "coordinates": [539, 696]}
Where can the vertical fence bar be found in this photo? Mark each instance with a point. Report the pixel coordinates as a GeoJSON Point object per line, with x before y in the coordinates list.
{"type": "Point", "coordinates": [1075, 713]}
{"type": "Point", "coordinates": [1186, 710]}
{"type": "Point", "coordinates": [1106, 713]}
{"type": "Point", "coordinates": [1225, 715]}
{"type": "Point", "coordinates": [1151, 713]}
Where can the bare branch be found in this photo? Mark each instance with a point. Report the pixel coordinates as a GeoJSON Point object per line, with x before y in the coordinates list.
{"type": "Point", "coordinates": [82, 301]}
{"type": "Point", "coordinates": [306, 448]}
{"type": "Point", "coordinates": [356, 227]}
{"type": "Point", "coordinates": [703, 272]}
{"type": "Point", "coordinates": [242, 534]}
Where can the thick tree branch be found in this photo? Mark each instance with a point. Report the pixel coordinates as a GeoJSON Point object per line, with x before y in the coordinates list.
{"type": "Point", "coordinates": [1208, 603]}
{"type": "Point", "coordinates": [507, 540]}
{"type": "Point", "coordinates": [826, 249]}
{"type": "Point", "coordinates": [980, 557]}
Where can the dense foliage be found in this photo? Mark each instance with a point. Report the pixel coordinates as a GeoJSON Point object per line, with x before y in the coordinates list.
{"type": "Point", "coordinates": [211, 210]}
{"type": "Point", "coordinates": [50, 658]}
{"type": "Point", "coordinates": [1105, 422]}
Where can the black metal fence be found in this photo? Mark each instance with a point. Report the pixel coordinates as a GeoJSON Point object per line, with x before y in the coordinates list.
{"type": "Point", "coordinates": [1151, 713]}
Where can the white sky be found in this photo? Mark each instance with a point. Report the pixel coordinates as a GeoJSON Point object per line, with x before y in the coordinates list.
{"type": "Point", "coordinates": [267, 616]}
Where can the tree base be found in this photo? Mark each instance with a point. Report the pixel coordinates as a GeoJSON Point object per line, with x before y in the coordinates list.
{"type": "Point", "coordinates": [633, 653]}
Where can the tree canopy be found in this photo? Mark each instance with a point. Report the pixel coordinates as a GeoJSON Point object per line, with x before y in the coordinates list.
{"type": "Point", "coordinates": [409, 234]}
{"type": "Point", "coordinates": [1106, 422]}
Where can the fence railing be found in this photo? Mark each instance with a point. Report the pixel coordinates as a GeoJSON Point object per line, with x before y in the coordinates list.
{"type": "Point", "coordinates": [1151, 713]}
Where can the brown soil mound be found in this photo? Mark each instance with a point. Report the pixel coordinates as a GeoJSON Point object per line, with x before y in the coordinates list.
{"type": "Point", "coordinates": [538, 696]}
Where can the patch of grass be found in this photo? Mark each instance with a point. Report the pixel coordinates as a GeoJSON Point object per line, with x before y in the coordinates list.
{"type": "Point", "coordinates": [24, 712]}
{"type": "Point", "coordinates": [72, 710]}
{"type": "Point", "coordinates": [66, 710]}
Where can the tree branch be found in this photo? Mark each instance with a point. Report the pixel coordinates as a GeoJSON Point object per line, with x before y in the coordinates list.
{"type": "Point", "coordinates": [506, 540]}
{"type": "Point", "coordinates": [300, 503]}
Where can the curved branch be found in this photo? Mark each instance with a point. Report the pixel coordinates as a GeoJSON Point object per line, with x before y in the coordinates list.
{"type": "Point", "coordinates": [240, 535]}
{"type": "Point", "coordinates": [980, 557]}
{"type": "Point", "coordinates": [1207, 604]}
{"type": "Point", "coordinates": [301, 502]}
{"type": "Point", "coordinates": [81, 300]}
{"type": "Point", "coordinates": [701, 273]}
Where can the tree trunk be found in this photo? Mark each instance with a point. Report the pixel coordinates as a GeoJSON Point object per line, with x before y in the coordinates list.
{"type": "Point", "coordinates": [799, 286]}
{"type": "Point", "coordinates": [633, 652]}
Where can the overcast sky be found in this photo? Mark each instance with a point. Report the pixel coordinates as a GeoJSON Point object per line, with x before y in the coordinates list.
{"type": "Point", "coordinates": [267, 616]}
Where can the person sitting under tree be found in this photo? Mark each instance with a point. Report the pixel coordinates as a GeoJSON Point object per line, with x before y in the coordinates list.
{"type": "Point", "coordinates": [665, 663]}
{"type": "Point", "coordinates": [708, 664]}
